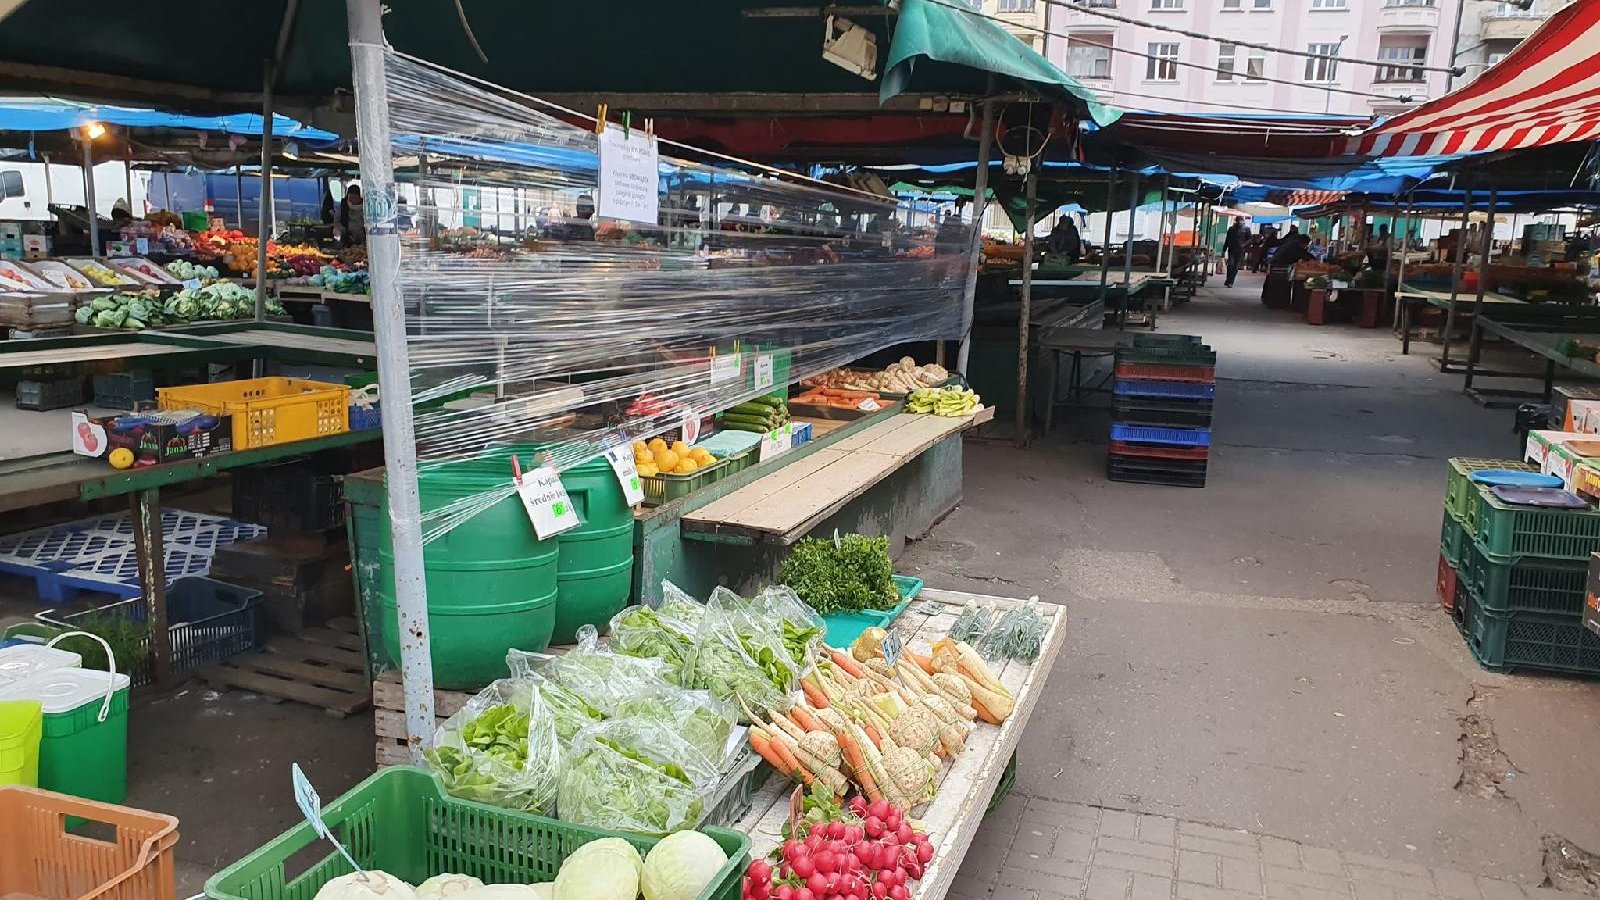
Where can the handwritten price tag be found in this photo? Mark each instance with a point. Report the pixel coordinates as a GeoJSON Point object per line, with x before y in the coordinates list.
{"type": "Point", "coordinates": [621, 459]}
{"type": "Point", "coordinates": [725, 367]}
{"type": "Point", "coordinates": [763, 371]}
{"type": "Point", "coordinates": [547, 503]}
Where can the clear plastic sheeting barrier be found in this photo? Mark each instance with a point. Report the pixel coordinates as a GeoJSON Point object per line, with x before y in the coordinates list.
{"type": "Point", "coordinates": [529, 321]}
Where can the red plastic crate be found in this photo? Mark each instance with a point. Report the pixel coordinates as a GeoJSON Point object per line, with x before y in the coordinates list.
{"type": "Point", "coordinates": [1444, 585]}
{"type": "Point", "coordinates": [1122, 448]}
{"type": "Point", "coordinates": [1164, 372]}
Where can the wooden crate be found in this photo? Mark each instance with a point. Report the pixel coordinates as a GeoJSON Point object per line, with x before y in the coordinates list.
{"type": "Point", "coordinates": [389, 717]}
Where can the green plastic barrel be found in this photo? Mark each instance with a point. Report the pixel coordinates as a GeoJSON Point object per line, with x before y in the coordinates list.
{"type": "Point", "coordinates": [20, 729]}
{"type": "Point", "coordinates": [491, 582]}
{"type": "Point", "coordinates": [595, 572]}
{"type": "Point", "coordinates": [79, 753]}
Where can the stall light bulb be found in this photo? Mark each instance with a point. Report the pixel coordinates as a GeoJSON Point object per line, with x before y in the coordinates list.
{"type": "Point", "coordinates": [94, 130]}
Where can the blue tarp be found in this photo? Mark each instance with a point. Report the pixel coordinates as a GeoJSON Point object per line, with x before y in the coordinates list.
{"type": "Point", "coordinates": [61, 115]}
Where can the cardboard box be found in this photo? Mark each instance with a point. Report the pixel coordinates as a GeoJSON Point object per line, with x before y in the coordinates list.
{"type": "Point", "coordinates": [1591, 595]}
{"type": "Point", "coordinates": [10, 231]}
{"type": "Point", "coordinates": [154, 437]}
{"type": "Point", "coordinates": [1540, 442]}
{"type": "Point", "coordinates": [1582, 416]}
{"type": "Point", "coordinates": [1561, 462]}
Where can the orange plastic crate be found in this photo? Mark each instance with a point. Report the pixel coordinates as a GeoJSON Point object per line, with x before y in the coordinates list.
{"type": "Point", "coordinates": [268, 411]}
{"type": "Point", "coordinates": [40, 859]}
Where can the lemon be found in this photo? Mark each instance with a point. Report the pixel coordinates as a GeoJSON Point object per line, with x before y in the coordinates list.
{"type": "Point", "coordinates": [680, 448]}
{"type": "Point", "coordinates": [120, 458]}
{"type": "Point", "coordinates": [686, 466]}
{"type": "Point", "coordinates": [639, 447]}
{"type": "Point", "coordinates": [647, 470]}
{"type": "Point", "coordinates": [702, 456]}
{"type": "Point", "coordinates": [656, 445]}
{"type": "Point", "coordinates": [666, 459]}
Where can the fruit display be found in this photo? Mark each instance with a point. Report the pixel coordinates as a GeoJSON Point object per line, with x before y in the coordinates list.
{"type": "Point", "coordinates": [861, 851]}
{"type": "Point", "coordinates": [102, 274]}
{"type": "Point", "coordinates": [61, 275]}
{"type": "Point", "coordinates": [657, 457]}
{"type": "Point", "coordinates": [144, 270]}
{"type": "Point", "coordinates": [947, 401]}
{"type": "Point", "coordinates": [14, 277]}
{"type": "Point", "coordinates": [762, 414]}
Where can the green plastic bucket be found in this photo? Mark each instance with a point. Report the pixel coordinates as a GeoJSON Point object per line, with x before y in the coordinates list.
{"type": "Point", "coordinates": [20, 728]}
{"type": "Point", "coordinates": [595, 569]}
{"type": "Point", "coordinates": [83, 746]}
{"type": "Point", "coordinates": [491, 582]}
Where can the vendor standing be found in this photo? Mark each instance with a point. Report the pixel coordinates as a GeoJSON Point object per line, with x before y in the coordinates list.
{"type": "Point", "coordinates": [352, 217]}
{"type": "Point", "coordinates": [1065, 241]}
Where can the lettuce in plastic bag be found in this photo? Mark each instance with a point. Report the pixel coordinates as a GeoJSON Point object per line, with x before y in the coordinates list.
{"type": "Point", "coordinates": [634, 775]}
{"type": "Point", "coordinates": [597, 676]}
{"type": "Point", "coordinates": [703, 721]}
{"type": "Point", "coordinates": [500, 748]}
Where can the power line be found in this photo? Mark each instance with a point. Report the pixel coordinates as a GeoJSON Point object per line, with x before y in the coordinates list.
{"type": "Point", "coordinates": [1173, 60]}
{"type": "Point", "coordinates": [1097, 11]}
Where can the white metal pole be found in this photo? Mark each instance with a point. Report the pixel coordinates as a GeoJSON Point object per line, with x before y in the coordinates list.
{"type": "Point", "coordinates": [1025, 314]}
{"type": "Point", "coordinates": [88, 196]}
{"type": "Point", "coordinates": [264, 205]}
{"type": "Point", "coordinates": [394, 367]}
{"type": "Point", "coordinates": [49, 188]}
{"type": "Point", "coordinates": [980, 196]}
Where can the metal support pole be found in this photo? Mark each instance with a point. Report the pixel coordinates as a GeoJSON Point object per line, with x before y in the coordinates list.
{"type": "Point", "coordinates": [49, 187]}
{"type": "Point", "coordinates": [264, 206]}
{"type": "Point", "coordinates": [166, 187]}
{"type": "Point", "coordinates": [1455, 279]}
{"type": "Point", "coordinates": [394, 368]}
{"type": "Point", "coordinates": [238, 196]}
{"type": "Point", "coordinates": [88, 197]}
{"type": "Point", "coordinates": [980, 198]}
{"type": "Point", "coordinates": [1127, 250]}
{"type": "Point", "coordinates": [151, 556]}
{"type": "Point", "coordinates": [127, 177]}
{"type": "Point", "coordinates": [1483, 259]}
{"type": "Point", "coordinates": [1024, 325]}
{"type": "Point", "coordinates": [1400, 323]}
{"type": "Point", "coordinates": [1105, 238]}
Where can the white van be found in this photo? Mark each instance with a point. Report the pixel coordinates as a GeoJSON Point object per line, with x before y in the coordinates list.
{"type": "Point", "coordinates": [25, 195]}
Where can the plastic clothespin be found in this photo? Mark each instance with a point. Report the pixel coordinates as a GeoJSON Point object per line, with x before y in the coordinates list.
{"type": "Point", "coordinates": [516, 469]}
{"type": "Point", "coordinates": [650, 128]}
{"type": "Point", "coordinates": [600, 118]}
{"type": "Point", "coordinates": [627, 125]}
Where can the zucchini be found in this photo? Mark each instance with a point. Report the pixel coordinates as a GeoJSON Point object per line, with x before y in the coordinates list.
{"type": "Point", "coordinates": [771, 400]}
{"type": "Point", "coordinates": [744, 426]}
{"type": "Point", "coordinates": [748, 420]}
{"type": "Point", "coordinates": [750, 409]}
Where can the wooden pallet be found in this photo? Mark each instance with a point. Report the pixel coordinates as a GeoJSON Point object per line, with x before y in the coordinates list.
{"type": "Point", "coordinates": [389, 717]}
{"type": "Point", "coordinates": [320, 667]}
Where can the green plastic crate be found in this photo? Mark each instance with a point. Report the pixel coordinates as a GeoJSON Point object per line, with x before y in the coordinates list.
{"type": "Point", "coordinates": [659, 489]}
{"type": "Point", "coordinates": [401, 821]}
{"type": "Point", "coordinates": [1459, 491]}
{"type": "Point", "coordinates": [1505, 641]}
{"type": "Point", "coordinates": [1506, 533]}
{"type": "Point", "coordinates": [1453, 540]}
{"type": "Point", "coordinates": [1531, 584]}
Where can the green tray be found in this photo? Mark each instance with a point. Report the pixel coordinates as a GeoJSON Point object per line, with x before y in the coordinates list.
{"type": "Point", "coordinates": [401, 821]}
{"type": "Point", "coordinates": [844, 627]}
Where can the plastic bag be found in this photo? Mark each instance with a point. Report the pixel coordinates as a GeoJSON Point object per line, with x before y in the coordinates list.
{"type": "Point", "coordinates": [634, 775]}
{"type": "Point", "coordinates": [740, 660]}
{"type": "Point", "coordinates": [803, 627]}
{"type": "Point", "coordinates": [644, 632]}
{"type": "Point", "coordinates": [500, 748]}
{"type": "Point", "coordinates": [703, 721]}
{"type": "Point", "coordinates": [600, 678]}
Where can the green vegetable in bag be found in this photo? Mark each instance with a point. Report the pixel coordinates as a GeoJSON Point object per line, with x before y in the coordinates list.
{"type": "Point", "coordinates": [500, 748]}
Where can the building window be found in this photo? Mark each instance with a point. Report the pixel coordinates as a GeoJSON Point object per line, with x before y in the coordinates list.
{"type": "Point", "coordinates": [1404, 61]}
{"type": "Point", "coordinates": [1515, 9]}
{"type": "Point", "coordinates": [1494, 58]}
{"type": "Point", "coordinates": [1408, 2]}
{"type": "Point", "coordinates": [1225, 55]}
{"type": "Point", "coordinates": [1322, 68]}
{"type": "Point", "coordinates": [1328, 4]}
{"type": "Point", "coordinates": [1162, 65]}
{"type": "Point", "coordinates": [1255, 65]}
{"type": "Point", "coordinates": [1166, 4]}
{"type": "Point", "coordinates": [1232, 4]}
{"type": "Point", "coordinates": [1104, 4]}
{"type": "Point", "coordinates": [1016, 6]}
{"type": "Point", "coordinates": [1089, 55]}
{"type": "Point", "coordinates": [1261, 4]}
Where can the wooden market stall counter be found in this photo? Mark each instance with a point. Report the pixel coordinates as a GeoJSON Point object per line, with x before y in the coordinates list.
{"type": "Point", "coordinates": [1550, 331]}
{"type": "Point", "coordinates": [889, 473]}
{"type": "Point", "coordinates": [1412, 298]}
{"type": "Point", "coordinates": [189, 347]}
{"type": "Point", "coordinates": [966, 784]}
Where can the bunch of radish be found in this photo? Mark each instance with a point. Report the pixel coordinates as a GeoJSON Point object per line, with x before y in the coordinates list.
{"type": "Point", "coordinates": [872, 853]}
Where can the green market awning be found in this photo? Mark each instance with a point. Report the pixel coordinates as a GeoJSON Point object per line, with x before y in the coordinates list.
{"type": "Point", "coordinates": [937, 45]}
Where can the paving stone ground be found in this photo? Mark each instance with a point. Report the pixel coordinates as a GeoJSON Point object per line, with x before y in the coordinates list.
{"type": "Point", "coordinates": [1034, 849]}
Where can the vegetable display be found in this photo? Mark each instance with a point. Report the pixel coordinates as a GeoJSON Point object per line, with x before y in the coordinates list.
{"type": "Point", "coordinates": [947, 401]}
{"type": "Point", "coordinates": [188, 271]}
{"type": "Point", "coordinates": [853, 573]}
{"type": "Point", "coordinates": [869, 850]}
{"type": "Point", "coordinates": [340, 282]}
{"type": "Point", "coordinates": [626, 775]}
{"type": "Point", "coordinates": [680, 866]}
{"type": "Point", "coordinates": [500, 748]}
{"type": "Point", "coordinates": [901, 377]}
{"type": "Point", "coordinates": [763, 414]}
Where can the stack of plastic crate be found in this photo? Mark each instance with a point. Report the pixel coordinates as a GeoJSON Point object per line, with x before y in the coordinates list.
{"type": "Point", "coordinates": [1519, 575]}
{"type": "Point", "coordinates": [1161, 411]}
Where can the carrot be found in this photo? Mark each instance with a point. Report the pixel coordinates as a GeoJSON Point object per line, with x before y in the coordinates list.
{"type": "Point", "coordinates": [763, 746]}
{"type": "Point", "coordinates": [872, 734]}
{"type": "Point", "coordinates": [789, 728]}
{"type": "Point", "coordinates": [796, 769]}
{"type": "Point", "coordinates": [858, 764]}
{"type": "Point", "coordinates": [803, 717]}
{"type": "Point", "coordinates": [925, 663]}
{"type": "Point", "coordinates": [843, 661]}
{"type": "Point", "coordinates": [814, 696]}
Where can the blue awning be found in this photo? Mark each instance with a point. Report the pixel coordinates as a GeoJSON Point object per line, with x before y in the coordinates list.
{"type": "Point", "coordinates": [21, 114]}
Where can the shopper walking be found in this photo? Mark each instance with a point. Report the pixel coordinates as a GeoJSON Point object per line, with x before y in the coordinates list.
{"type": "Point", "coordinates": [1233, 246]}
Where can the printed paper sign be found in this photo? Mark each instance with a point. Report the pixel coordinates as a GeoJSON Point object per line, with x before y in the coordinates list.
{"type": "Point", "coordinates": [88, 438]}
{"type": "Point", "coordinates": [776, 443]}
{"type": "Point", "coordinates": [192, 284]}
{"type": "Point", "coordinates": [621, 459]}
{"type": "Point", "coordinates": [547, 503]}
{"type": "Point", "coordinates": [629, 180]}
{"type": "Point", "coordinates": [691, 427]}
{"type": "Point", "coordinates": [763, 371]}
{"type": "Point", "coordinates": [893, 646]}
{"type": "Point", "coordinates": [142, 245]}
{"type": "Point", "coordinates": [725, 367]}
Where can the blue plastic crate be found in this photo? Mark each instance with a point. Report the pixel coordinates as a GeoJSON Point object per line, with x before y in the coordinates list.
{"type": "Point", "coordinates": [844, 627]}
{"type": "Point", "coordinates": [1183, 390]}
{"type": "Point", "coordinates": [209, 621]}
{"type": "Point", "coordinates": [1178, 437]}
{"type": "Point", "coordinates": [801, 434]}
{"type": "Point", "coordinates": [364, 417]}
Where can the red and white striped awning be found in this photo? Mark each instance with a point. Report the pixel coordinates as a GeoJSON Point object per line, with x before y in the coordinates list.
{"type": "Point", "coordinates": [1304, 198]}
{"type": "Point", "coordinates": [1547, 91]}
